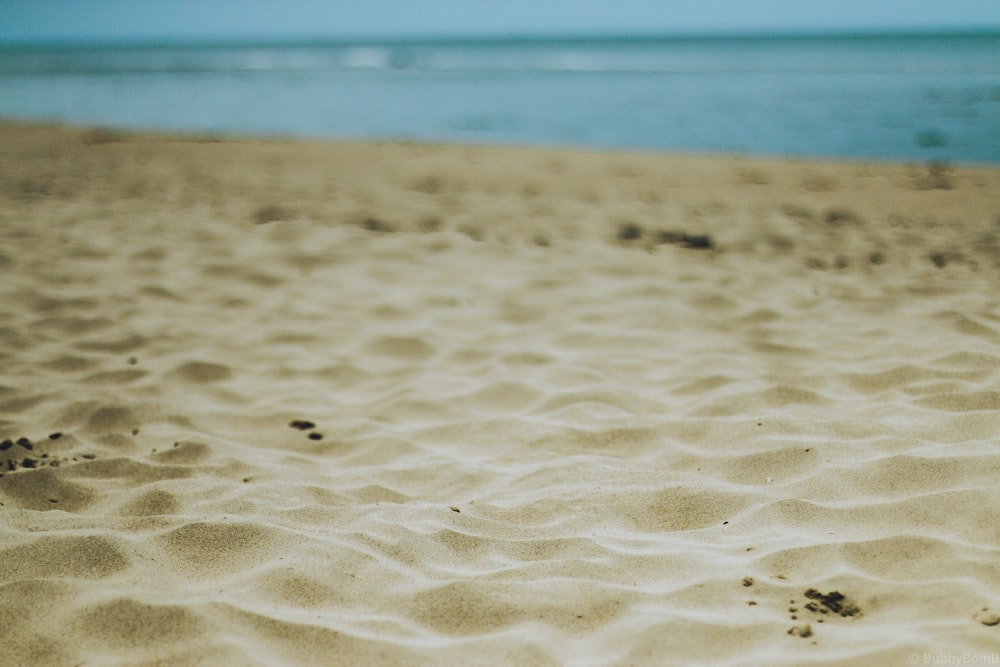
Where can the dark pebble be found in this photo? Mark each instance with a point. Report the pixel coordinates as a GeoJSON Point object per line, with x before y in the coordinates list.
{"type": "Point", "coordinates": [376, 225]}
{"type": "Point", "coordinates": [24, 442]}
{"type": "Point", "coordinates": [29, 463]}
{"type": "Point", "coordinates": [685, 240]}
{"type": "Point", "coordinates": [302, 425]}
{"type": "Point", "coordinates": [55, 436]}
{"type": "Point", "coordinates": [6, 444]}
{"type": "Point", "coordinates": [698, 242]}
{"type": "Point", "coordinates": [629, 232]}
{"type": "Point", "coordinates": [315, 436]}
{"type": "Point", "coordinates": [839, 216]}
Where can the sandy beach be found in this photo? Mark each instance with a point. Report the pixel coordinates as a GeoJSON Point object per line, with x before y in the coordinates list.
{"type": "Point", "coordinates": [321, 403]}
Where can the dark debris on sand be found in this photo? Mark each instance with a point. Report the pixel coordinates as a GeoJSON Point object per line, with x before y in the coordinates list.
{"type": "Point", "coordinates": [305, 425]}
{"type": "Point", "coordinates": [21, 442]}
{"type": "Point", "coordinates": [13, 459]}
{"type": "Point", "coordinates": [821, 605]}
{"type": "Point", "coordinates": [373, 224]}
{"type": "Point", "coordinates": [630, 231]}
{"type": "Point", "coordinates": [272, 213]}
{"type": "Point", "coordinates": [834, 601]}
{"type": "Point", "coordinates": [685, 240]}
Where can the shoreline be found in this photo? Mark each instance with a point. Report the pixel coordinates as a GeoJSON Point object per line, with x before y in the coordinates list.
{"type": "Point", "coordinates": [108, 132]}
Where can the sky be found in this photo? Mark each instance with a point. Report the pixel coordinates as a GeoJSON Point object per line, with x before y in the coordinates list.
{"type": "Point", "coordinates": [200, 20]}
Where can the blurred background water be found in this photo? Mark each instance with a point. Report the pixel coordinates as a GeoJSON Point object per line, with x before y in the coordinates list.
{"type": "Point", "coordinates": [897, 97]}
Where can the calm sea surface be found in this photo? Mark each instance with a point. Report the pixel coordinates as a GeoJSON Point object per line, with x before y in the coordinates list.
{"type": "Point", "coordinates": [899, 98]}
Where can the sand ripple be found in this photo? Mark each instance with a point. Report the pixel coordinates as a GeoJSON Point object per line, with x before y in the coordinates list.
{"type": "Point", "coordinates": [516, 435]}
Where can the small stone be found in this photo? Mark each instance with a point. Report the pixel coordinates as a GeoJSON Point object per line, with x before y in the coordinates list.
{"type": "Point", "coordinates": [55, 436]}
{"type": "Point", "coordinates": [315, 436]}
{"type": "Point", "coordinates": [629, 232]}
{"type": "Point", "coordinates": [685, 240]}
{"type": "Point", "coordinates": [698, 242]}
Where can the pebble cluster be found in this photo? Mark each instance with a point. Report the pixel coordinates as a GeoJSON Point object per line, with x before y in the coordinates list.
{"type": "Point", "coordinates": [12, 460]}
{"type": "Point", "coordinates": [305, 425]}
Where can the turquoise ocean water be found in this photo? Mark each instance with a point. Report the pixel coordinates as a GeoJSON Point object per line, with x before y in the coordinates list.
{"type": "Point", "coordinates": [895, 97]}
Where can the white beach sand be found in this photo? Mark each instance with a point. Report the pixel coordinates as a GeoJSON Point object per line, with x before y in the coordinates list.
{"type": "Point", "coordinates": [539, 435]}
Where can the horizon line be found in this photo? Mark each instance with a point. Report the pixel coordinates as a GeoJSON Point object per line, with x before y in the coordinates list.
{"type": "Point", "coordinates": [498, 38]}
